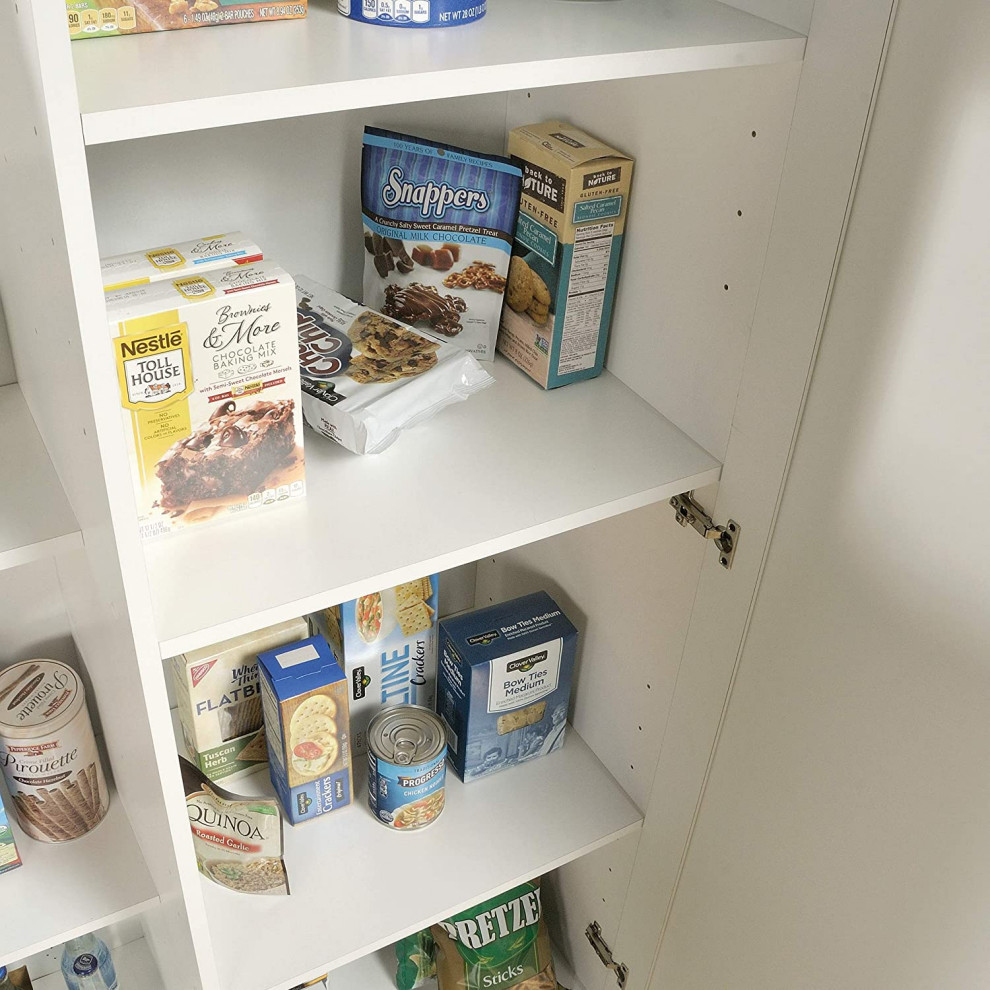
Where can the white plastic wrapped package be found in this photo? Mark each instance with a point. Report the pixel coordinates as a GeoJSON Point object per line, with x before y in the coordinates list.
{"type": "Point", "coordinates": [367, 377]}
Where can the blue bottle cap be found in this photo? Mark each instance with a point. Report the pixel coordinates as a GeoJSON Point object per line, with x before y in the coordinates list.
{"type": "Point", "coordinates": [3, 972]}
{"type": "Point", "coordinates": [85, 965]}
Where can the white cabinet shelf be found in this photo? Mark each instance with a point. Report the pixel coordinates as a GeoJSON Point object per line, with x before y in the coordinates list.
{"type": "Point", "coordinates": [65, 889]}
{"type": "Point", "coordinates": [179, 81]}
{"type": "Point", "coordinates": [358, 886]}
{"type": "Point", "coordinates": [510, 466]}
{"type": "Point", "coordinates": [35, 518]}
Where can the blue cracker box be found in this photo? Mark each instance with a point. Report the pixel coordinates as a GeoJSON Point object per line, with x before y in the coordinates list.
{"type": "Point", "coordinates": [504, 683]}
{"type": "Point", "coordinates": [304, 699]}
{"type": "Point", "coordinates": [9, 858]}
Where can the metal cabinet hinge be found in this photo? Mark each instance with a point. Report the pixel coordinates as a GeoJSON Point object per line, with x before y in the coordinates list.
{"type": "Point", "coordinates": [726, 537]}
{"type": "Point", "coordinates": [594, 935]}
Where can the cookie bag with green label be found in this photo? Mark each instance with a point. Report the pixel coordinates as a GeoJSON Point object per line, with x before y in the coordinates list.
{"type": "Point", "coordinates": [502, 942]}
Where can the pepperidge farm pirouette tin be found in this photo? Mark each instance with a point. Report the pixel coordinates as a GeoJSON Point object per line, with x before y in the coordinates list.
{"type": "Point", "coordinates": [414, 13]}
{"type": "Point", "coordinates": [504, 683]}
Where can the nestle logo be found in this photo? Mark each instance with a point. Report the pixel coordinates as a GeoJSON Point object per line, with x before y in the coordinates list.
{"type": "Point", "coordinates": [151, 345]}
{"type": "Point", "coordinates": [607, 177]}
{"type": "Point", "coordinates": [526, 663]}
{"type": "Point", "coordinates": [542, 185]}
{"type": "Point", "coordinates": [483, 639]}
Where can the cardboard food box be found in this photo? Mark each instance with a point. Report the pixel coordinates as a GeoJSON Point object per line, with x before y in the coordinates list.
{"type": "Point", "coordinates": [504, 683]}
{"type": "Point", "coordinates": [172, 260]}
{"type": "Point", "coordinates": [304, 697]}
{"type": "Point", "coordinates": [208, 369]}
{"type": "Point", "coordinates": [386, 643]}
{"type": "Point", "coordinates": [565, 259]}
{"type": "Point", "coordinates": [218, 695]}
{"type": "Point", "coordinates": [107, 18]}
{"type": "Point", "coordinates": [9, 857]}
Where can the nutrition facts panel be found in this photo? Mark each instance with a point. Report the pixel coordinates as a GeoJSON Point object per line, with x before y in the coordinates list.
{"type": "Point", "coordinates": [585, 297]}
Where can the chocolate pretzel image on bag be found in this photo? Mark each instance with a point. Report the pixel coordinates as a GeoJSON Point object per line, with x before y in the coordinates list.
{"type": "Point", "coordinates": [48, 753]}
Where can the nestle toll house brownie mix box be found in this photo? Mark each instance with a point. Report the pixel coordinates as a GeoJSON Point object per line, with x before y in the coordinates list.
{"type": "Point", "coordinates": [565, 259]}
{"type": "Point", "coordinates": [208, 372]}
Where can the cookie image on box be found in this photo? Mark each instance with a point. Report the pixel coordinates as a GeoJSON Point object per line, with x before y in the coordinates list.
{"type": "Point", "coordinates": [519, 292]}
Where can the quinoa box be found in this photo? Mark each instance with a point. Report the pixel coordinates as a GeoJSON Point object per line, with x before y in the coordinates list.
{"type": "Point", "coordinates": [386, 643]}
{"type": "Point", "coordinates": [504, 683]}
{"type": "Point", "coordinates": [304, 698]}
{"type": "Point", "coordinates": [565, 258]}
{"type": "Point", "coordinates": [208, 370]}
{"type": "Point", "coordinates": [218, 697]}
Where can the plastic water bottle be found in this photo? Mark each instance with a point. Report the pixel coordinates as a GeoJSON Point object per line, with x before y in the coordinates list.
{"type": "Point", "coordinates": [87, 965]}
{"type": "Point", "coordinates": [5, 983]}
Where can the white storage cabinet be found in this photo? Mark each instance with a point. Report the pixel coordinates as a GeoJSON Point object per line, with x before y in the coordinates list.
{"type": "Point", "coordinates": [747, 135]}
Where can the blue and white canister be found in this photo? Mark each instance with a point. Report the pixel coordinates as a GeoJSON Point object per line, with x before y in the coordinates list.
{"type": "Point", "coordinates": [414, 13]}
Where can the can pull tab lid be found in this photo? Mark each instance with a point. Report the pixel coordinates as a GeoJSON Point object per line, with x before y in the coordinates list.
{"type": "Point", "coordinates": [403, 751]}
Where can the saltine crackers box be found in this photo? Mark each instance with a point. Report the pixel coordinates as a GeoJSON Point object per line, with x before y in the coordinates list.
{"type": "Point", "coordinates": [304, 698]}
{"type": "Point", "coordinates": [174, 260]}
{"type": "Point", "coordinates": [565, 259]}
{"type": "Point", "coordinates": [386, 642]}
{"type": "Point", "coordinates": [504, 683]}
{"type": "Point", "coordinates": [9, 857]}
{"type": "Point", "coordinates": [208, 374]}
{"type": "Point", "coordinates": [218, 697]}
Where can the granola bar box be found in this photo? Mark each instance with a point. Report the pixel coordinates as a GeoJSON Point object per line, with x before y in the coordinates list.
{"type": "Point", "coordinates": [387, 644]}
{"type": "Point", "coordinates": [504, 683]}
{"type": "Point", "coordinates": [304, 699]}
{"type": "Point", "coordinates": [208, 373]}
{"type": "Point", "coordinates": [218, 697]}
{"type": "Point", "coordinates": [565, 259]}
{"type": "Point", "coordinates": [109, 18]}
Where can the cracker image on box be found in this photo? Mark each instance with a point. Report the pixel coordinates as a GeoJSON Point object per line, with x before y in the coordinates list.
{"type": "Point", "coordinates": [504, 683]}
{"type": "Point", "coordinates": [304, 697]}
{"type": "Point", "coordinates": [208, 371]}
{"type": "Point", "coordinates": [386, 642]}
{"type": "Point", "coordinates": [565, 259]}
{"type": "Point", "coordinates": [218, 697]}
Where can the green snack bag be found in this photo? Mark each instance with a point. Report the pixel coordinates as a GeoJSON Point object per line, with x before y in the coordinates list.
{"type": "Point", "coordinates": [414, 960]}
{"type": "Point", "coordinates": [502, 942]}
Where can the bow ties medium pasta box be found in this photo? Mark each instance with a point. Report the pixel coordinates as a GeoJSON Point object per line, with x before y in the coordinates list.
{"type": "Point", "coordinates": [504, 683]}
{"type": "Point", "coordinates": [304, 700]}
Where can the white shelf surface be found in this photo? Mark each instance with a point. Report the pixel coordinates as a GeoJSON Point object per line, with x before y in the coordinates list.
{"type": "Point", "coordinates": [377, 972]}
{"type": "Point", "coordinates": [35, 518]}
{"type": "Point", "coordinates": [509, 466]}
{"type": "Point", "coordinates": [326, 62]}
{"type": "Point", "coordinates": [358, 886]}
{"type": "Point", "coordinates": [135, 967]}
{"type": "Point", "coordinates": [65, 889]}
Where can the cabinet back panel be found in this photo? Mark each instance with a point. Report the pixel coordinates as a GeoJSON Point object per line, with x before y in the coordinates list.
{"type": "Point", "coordinates": [702, 200]}
{"type": "Point", "coordinates": [795, 14]}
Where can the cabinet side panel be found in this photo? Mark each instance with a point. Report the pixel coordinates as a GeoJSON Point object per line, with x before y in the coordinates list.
{"type": "Point", "coordinates": [794, 14]}
{"type": "Point", "coordinates": [7, 372]}
{"type": "Point", "coordinates": [49, 282]}
{"type": "Point", "coordinates": [708, 148]}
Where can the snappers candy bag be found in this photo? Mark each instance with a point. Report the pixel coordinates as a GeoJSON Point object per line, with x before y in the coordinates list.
{"type": "Point", "coordinates": [438, 229]}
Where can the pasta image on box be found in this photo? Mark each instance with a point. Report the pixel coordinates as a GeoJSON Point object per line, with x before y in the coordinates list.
{"type": "Point", "coordinates": [504, 683]}
{"type": "Point", "coordinates": [304, 698]}
{"type": "Point", "coordinates": [172, 260]}
{"type": "Point", "coordinates": [108, 18]}
{"type": "Point", "coordinates": [208, 370]}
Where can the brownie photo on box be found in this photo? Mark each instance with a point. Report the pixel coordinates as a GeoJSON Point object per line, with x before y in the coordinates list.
{"type": "Point", "coordinates": [231, 455]}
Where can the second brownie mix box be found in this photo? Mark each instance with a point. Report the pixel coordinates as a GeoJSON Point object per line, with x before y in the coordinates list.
{"type": "Point", "coordinates": [208, 373]}
{"type": "Point", "coordinates": [504, 682]}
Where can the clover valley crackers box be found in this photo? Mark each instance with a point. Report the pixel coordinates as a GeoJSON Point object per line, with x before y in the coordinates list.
{"type": "Point", "coordinates": [208, 373]}
{"type": "Point", "coordinates": [218, 697]}
{"type": "Point", "coordinates": [504, 682]}
{"type": "Point", "coordinates": [387, 644]}
{"type": "Point", "coordinates": [565, 260]}
{"type": "Point", "coordinates": [304, 698]}
{"type": "Point", "coordinates": [9, 858]}
{"type": "Point", "coordinates": [106, 18]}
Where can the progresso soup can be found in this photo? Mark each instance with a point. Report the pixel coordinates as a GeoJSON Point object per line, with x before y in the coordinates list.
{"type": "Point", "coordinates": [414, 13]}
{"type": "Point", "coordinates": [407, 751]}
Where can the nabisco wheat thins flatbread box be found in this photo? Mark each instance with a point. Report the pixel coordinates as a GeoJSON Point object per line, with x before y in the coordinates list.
{"type": "Point", "coordinates": [218, 697]}
{"type": "Point", "coordinates": [386, 642]}
{"type": "Point", "coordinates": [208, 372]}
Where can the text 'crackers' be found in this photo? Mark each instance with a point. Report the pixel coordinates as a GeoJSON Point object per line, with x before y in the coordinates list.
{"type": "Point", "coordinates": [304, 697]}
{"type": "Point", "coordinates": [504, 683]}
